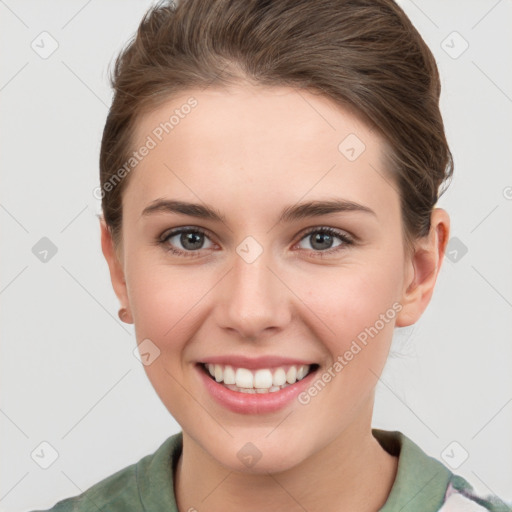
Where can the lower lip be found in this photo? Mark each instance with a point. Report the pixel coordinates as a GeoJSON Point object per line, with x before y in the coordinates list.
{"type": "Point", "coordinates": [253, 403]}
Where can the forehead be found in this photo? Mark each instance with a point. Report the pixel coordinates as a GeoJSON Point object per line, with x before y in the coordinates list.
{"type": "Point", "coordinates": [264, 142]}
{"type": "Point", "coordinates": [296, 115]}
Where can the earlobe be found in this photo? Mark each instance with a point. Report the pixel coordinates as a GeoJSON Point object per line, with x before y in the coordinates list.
{"type": "Point", "coordinates": [116, 270]}
{"type": "Point", "coordinates": [426, 264]}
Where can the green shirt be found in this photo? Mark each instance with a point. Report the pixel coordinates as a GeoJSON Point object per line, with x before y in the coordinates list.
{"type": "Point", "coordinates": [422, 484]}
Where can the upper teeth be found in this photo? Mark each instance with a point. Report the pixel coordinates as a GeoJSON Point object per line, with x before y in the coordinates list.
{"type": "Point", "coordinates": [263, 378]}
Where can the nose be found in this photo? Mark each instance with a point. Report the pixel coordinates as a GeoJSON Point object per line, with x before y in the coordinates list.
{"type": "Point", "coordinates": [254, 301]}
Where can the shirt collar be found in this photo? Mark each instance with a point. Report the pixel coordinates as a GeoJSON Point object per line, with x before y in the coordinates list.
{"type": "Point", "coordinates": [421, 481]}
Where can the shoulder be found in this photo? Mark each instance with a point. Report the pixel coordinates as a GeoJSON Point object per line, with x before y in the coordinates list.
{"type": "Point", "coordinates": [460, 495]}
{"type": "Point", "coordinates": [127, 489]}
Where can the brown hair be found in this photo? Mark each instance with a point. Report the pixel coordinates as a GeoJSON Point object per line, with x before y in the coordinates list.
{"type": "Point", "coordinates": [363, 54]}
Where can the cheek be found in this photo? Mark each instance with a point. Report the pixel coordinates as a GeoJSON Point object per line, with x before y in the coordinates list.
{"type": "Point", "coordinates": [165, 303]}
{"type": "Point", "coordinates": [158, 296]}
{"type": "Point", "coordinates": [357, 308]}
{"type": "Point", "coordinates": [353, 299]}
{"type": "Point", "coordinates": [168, 303]}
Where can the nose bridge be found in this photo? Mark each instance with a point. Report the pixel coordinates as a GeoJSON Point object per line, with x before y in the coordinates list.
{"type": "Point", "coordinates": [254, 299]}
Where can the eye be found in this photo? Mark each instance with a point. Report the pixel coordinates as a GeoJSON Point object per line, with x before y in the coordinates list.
{"type": "Point", "coordinates": [191, 239]}
{"type": "Point", "coordinates": [322, 239]}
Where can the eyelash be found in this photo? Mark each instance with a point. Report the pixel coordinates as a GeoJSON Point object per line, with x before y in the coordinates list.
{"type": "Point", "coordinates": [347, 241]}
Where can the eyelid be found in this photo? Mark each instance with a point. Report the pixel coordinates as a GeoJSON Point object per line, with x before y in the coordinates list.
{"type": "Point", "coordinates": [176, 231]}
{"type": "Point", "coordinates": [335, 231]}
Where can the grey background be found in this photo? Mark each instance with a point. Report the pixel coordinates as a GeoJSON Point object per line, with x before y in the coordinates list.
{"type": "Point", "coordinates": [68, 374]}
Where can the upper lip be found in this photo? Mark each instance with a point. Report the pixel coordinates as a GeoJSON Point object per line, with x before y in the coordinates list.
{"type": "Point", "coordinates": [255, 362]}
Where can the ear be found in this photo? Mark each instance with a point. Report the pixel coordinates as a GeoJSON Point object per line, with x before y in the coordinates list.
{"type": "Point", "coordinates": [424, 268]}
{"type": "Point", "coordinates": [115, 266]}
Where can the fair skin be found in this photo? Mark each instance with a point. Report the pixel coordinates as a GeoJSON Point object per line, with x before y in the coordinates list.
{"type": "Point", "coordinates": [249, 153]}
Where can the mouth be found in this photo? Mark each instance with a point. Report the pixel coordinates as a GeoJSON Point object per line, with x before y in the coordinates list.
{"type": "Point", "coordinates": [257, 381]}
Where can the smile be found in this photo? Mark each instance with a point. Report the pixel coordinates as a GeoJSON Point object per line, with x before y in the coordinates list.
{"type": "Point", "coordinates": [263, 380]}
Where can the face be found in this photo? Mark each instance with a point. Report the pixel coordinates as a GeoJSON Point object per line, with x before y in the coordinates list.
{"type": "Point", "coordinates": [255, 277]}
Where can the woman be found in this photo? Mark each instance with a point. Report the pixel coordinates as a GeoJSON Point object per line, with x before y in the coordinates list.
{"type": "Point", "coordinates": [269, 174]}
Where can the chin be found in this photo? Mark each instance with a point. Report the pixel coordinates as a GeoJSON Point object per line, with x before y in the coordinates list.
{"type": "Point", "coordinates": [257, 454]}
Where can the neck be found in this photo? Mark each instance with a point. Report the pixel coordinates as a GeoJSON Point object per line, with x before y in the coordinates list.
{"type": "Point", "coordinates": [353, 472]}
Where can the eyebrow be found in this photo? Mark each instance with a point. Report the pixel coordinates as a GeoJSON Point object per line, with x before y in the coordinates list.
{"type": "Point", "coordinates": [289, 214]}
